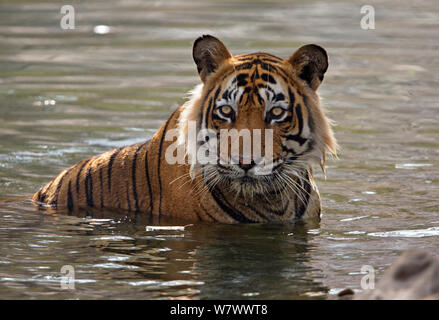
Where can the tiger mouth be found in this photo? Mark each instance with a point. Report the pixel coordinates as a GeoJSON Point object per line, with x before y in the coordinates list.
{"type": "Point", "coordinates": [248, 185]}
{"type": "Point", "coordinates": [247, 179]}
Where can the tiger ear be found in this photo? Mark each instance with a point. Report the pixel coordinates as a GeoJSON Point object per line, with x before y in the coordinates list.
{"type": "Point", "coordinates": [310, 63]}
{"type": "Point", "coordinates": [209, 53]}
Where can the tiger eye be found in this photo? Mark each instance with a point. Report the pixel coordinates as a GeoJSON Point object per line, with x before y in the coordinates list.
{"type": "Point", "coordinates": [226, 109]}
{"type": "Point", "coordinates": [277, 111]}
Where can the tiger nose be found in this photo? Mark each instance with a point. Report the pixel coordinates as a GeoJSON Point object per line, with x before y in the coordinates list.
{"type": "Point", "coordinates": [246, 166]}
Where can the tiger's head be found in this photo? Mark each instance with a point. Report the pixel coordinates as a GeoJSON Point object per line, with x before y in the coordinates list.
{"type": "Point", "coordinates": [256, 92]}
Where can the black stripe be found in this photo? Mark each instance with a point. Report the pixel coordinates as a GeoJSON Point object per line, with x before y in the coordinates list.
{"type": "Point", "coordinates": [241, 98]}
{"type": "Point", "coordinates": [79, 174]}
{"type": "Point", "coordinates": [244, 66]}
{"type": "Point", "coordinates": [202, 105]}
{"type": "Point", "coordinates": [267, 87]}
{"type": "Point", "coordinates": [268, 78]}
{"type": "Point", "coordinates": [283, 75]}
{"type": "Point", "coordinates": [241, 79]}
{"type": "Point", "coordinates": [211, 103]}
{"type": "Point", "coordinates": [225, 95]}
{"type": "Point", "coordinates": [216, 95]}
{"type": "Point", "coordinates": [254, 75]}
{"type": "Point", "coordinates": [39, 195]}
{"type": "Point", "coordinates": [271, 60]}
{"type": "Point", "coordinates": [245, 58]}
{"type": "Point", "coordinates": [128, 198]}
{"type": "Point", "coordinates": [277, 191]}
{"type": "Point", "coordinates": [288, 150]}
{"type": "Point", "coordinates": [231, 92]}
{"type": "Point", "coordinates": [299, 118]}
{"type": "Point", "coordinates": [263, 54]}
{"type": "Point", "coordinates": [133, 176]}
{"type": "Point", "coordinates": [148, 180]}
{"type": "Point", "coordinates": [279, 97]}
{"type": "Point", "coordinates": [276, 70]}
{"type": "Point", "coordinates": [44, 194]}
{"type": "Point", "coordinates": [227, 208]}
{"type": "Point", "coordinates": [159, 158]}
{"type": "Point", "coordinates": [70, 197]}
{"type": "Point", "coordinates": [207, 213]}
{"type": "Point", "coordinates": [89, 188]}
{"type": "Point", "coordinates": [110, 166]}
{"type": "Point", "coordinates": [301, 204]}
{"type": "Point", "coordinates": [266, 66]}
{"type": "Point", "coordinates": [101, 183]}
{"type": "Point", "coordinates": [256, 92]}
{"type": "Point", "coordinates": [259, 213]}
{"type": "Point", "coordinates": [297, 138]}
{"type": "Point", "coordinates": [208, 112]}
{"type": "Point", "coordinates": [279, 212]}
{"type": "Point", "coordinates": [247, 91]}
{"type": "Point", "coordinates": [227, 74]}
{"type": "Point", "coordinates": [270, 209]}
{"type": "Point", "coordinates": [58, 188]}
{"type": "Point", "coordinates": [292, 99]}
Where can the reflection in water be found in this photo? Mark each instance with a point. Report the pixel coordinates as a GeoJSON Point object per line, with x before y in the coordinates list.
{"type": "Point", "coordinates": [202, 261]}
{"type": "Point", "coordinates": [67, 95]}
{"type": "Point", "coordinates": [259, 261]}
{"type": "Point", "coordinates": [209, 260]}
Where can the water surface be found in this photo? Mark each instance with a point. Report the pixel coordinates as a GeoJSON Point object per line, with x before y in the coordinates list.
{"type": "Point", "coordinates": [70, 94]}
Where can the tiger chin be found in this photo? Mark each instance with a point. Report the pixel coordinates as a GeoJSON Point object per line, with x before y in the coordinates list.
{"type": "Point", "coordinates": [249, 91]}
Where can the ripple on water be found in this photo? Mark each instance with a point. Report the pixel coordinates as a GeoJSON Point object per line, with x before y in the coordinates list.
{"type": "Point", "coordinates": [113, 238]}
{"type": "Point", "coordinates": [419, 233]}
{"type": "Point", "coordinates": [154, 284]}
{"type": "Point", "coordinates": [354, 218]}
{"type": "Point", "coordinates": [412, 165]}
{"type": "Point", "coordinates": [108, 143]}
{"type": "Point", "coordinates": [114, 266]}
{"type": "Point", "coordinates": [116, 258]}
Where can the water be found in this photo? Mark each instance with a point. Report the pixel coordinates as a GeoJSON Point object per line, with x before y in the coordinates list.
{"type": "Point", "coordinates": [69, 94]}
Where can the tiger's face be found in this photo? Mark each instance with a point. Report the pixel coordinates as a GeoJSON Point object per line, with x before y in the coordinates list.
{"type": "Point", "coordinates": [264, 95]}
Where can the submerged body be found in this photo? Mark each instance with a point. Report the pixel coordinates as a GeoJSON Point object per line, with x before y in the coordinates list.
{"type": "Point", "coordinates": [255, 91]}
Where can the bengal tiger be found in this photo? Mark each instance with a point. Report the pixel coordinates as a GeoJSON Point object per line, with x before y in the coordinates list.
{"type": "Point", "coordinates": [249, 91]}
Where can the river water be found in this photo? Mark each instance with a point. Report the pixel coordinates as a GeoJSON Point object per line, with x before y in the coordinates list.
{"type": "Point", "coordinates": [70, 94]}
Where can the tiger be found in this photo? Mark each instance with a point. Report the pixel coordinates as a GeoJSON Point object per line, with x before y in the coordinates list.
{"type": "Point", "coordinates": [247, 91]}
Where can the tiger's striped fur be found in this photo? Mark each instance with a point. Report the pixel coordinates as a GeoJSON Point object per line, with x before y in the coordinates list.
{"type": "Point", "coordinates": [137, 178]}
